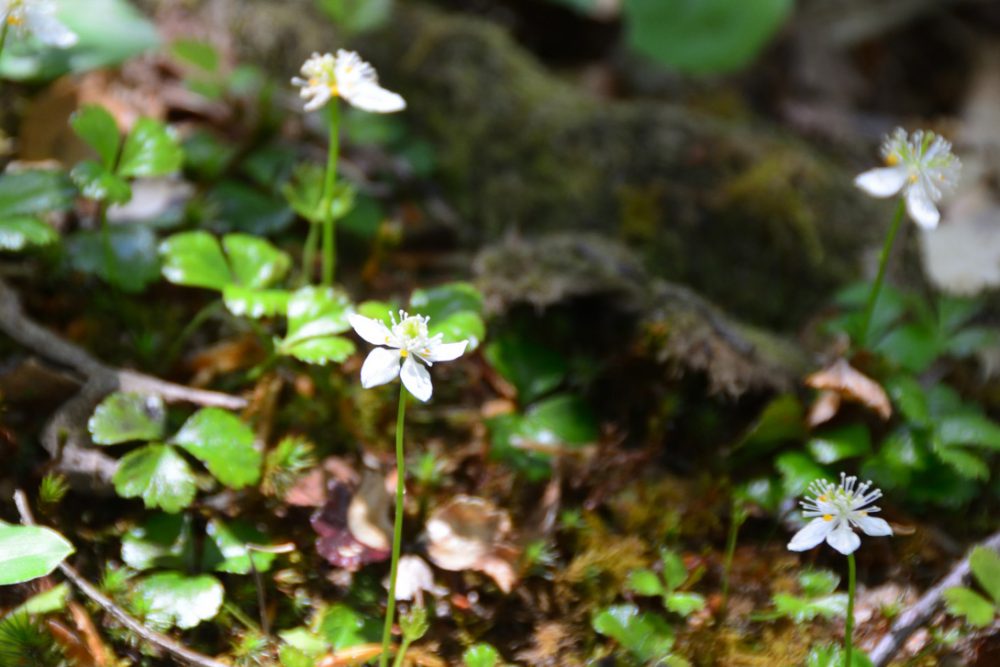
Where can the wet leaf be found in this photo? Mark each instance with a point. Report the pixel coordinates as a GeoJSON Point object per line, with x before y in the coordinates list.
{"type": "Point", "coordinates": [226, 549]}
{"type": "Point", "coordinates": [18, 233]}
{"type": "Point", "coordinates": [255, 303]}
{"type": "Point", "coordinates": [342, 627]}
{"type": "Point", "coordinates": [25, 193]}
{"type": "Point", "coordinates": [175, 599]}
{"type": "Point", "coordinates": [98, 129]}
{"type": "Point", "coordinates": [224, 444]}
{"type": "Point", "coordinates": [29, 552]}
{"type": "Point", "coordinates": [645, 635]}
{"type": "Point", "coordinates": [151, 149]}
{"type": "Point", "coordinates": [158, 475]}
{"type": "Point", "coordinates": [195, 259]}
{"type": "Point", "coordinates": [254, 261]}
{"type": "Point", "coordinates": [162, 540]}
{"type": "Point", "coordinates": [127, 417]}
{"type": "Point", "coordinates": [320, 351]}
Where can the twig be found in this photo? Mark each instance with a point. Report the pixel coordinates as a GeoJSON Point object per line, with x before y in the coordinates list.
{"type": "Point", "coordinates": [151, 636]}
{"type": "Point", "coordinates": [917, 615]}
{"type": "Point", "coordinates": [16, 324]}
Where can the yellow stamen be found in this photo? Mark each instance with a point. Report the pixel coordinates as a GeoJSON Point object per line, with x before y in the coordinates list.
{"type": "Point", "coordinates": [822, 498]}
{"type": "Point", "coordinates": [404, 353]}
{"type": "Point", "coordinates": [827, 517]}
{"type": "Point", "coordinates": [892, 160]}
{"type": "Point", "coordinates": [14, 20]}
{"type": "Point", "coordinates": [913, 178]}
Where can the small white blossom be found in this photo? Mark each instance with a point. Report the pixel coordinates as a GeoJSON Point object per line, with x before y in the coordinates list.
{"type": "Point", "coordinates": [922, 167]}
{"type": "Point", "coordinates": [836, 510]}
{"type": "Point", "coordinates": [408, 348]}
{"type": "Point", "coordinates": [345, 75]}
{"type": "Point", "coordinates": [38, 18]}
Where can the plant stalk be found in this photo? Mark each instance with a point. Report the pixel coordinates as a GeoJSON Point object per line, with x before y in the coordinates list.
{"type": "Point", "coordinates": [329, 233]}
{"type": "Point", "coordinates": [3, 33]}
{"type": "Point", "coordinates": [397, 528]}
{"type": "Point", "coordinates": [880, 276]}
{"type": "Point", "coordinates": [849, 626]}
{"type": "Point", "coordinates": [738, 516]}
{"type": "Point", "coordinates": [309, 253]}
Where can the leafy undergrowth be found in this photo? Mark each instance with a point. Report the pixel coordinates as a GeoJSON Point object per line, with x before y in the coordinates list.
{"type": "Point", "coordinates": [571, 498]}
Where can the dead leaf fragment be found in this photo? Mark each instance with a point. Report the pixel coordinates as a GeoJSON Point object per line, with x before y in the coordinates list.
{"type": "Point", "coordinates": [470, 533]}
{"type": "Point", "coordinates": [336, 543]}
{"type": "Point", "coordinates": [849, 384]}
{"type": "Point", "coordinates": [368, 513]}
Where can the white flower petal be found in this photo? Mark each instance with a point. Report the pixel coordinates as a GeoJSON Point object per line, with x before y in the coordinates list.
{"type": "Point", "coordinates": [416, 379]}
{"type": "Point", "coordinates": [445, 351]}
{"type": "Point", "coordinates": [374, 98]}
{"type": "Point", "coordinates": [371, 330]}
{"type": "Point", "coordinates": [843, 539]}
{"type": "Point", "coordinates": [921, 208]}
{"type": "Point", "coordinates": [883, 182]}
{"type": "Point", "coordinates": [381, 366]}
{"type": "Point", "coordinates": [873, 525]}
{"type": "Point", "coordinates": [814, 532]}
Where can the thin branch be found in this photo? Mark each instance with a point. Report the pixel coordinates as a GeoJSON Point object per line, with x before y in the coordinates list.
{"type": "Point", "coordinates": [22, 329]}
{"type": "Point", "coordinates": [151, 636]}
{"type": "Point", "coordinates": [921, 612]}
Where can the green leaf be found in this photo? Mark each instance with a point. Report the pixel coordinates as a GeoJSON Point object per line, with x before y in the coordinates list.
{"type": "Point", "coordinates": [127, 417]}
{"type": "Point", "coordinates": [109, 32]}
{"type": "Point", "coordinates": [645, 635]}
{"type": "Point", "coordinates": [977, 610]}
{"type": "Point", "coordinates": [35, 191]}
{"type": "Point", "coordinates": [196, 52]}
{"type": "Point", "coordinates": [985, 565]}
{"type": "Point", "coordinates": [224, 444]}
{"type": "Point", "coordinates": [343, 627]}
{"type": "Point", "coordinates": [206, 155]}
{"type": "Point", "coordinates": [240, 207]}
{"type": "Point", "coordinates": [480, 655]}
{"type": "Point", "coordinates": [358, 15]}
{"type": "Point", "coordinates": [158, 475]}
{"type": "Point", "coordinates": [195, 259]}
{"type": "Point", "coordinates": [151, 149]}
{"type": "Point", "coordinates": [964, 462]}
{"type": "Point", "coordinates": [674, 572]}
{"type": "Point", "coordinates": [839, 443]}
{"type": "Point", "coordinates": [831, 656]}
{"type": "Point", "coordinates": [805, 609]}
{"type": "Point", "coordinates": [29, 552]}
{"type": "Point", "coordinates": [306, 643]}
{"type": "Point", "coordinates": [703, 36]}
{"type": "Point", "coordinates": [304, 193]}
{"type": "Point", "coordinates": [644, 582]}
{"type": "Point", "coordinates": [162, 540]}
{"type": "Point", "coordinates": [254, 261]}
{"type": "Point", "coordinates": [564, 419]}
{"type": "Point", "coordinates": [414, 623]}
{"type": "Point", "coordinates": [465, 325]}
{"type": "Point", "coordinates": [97, 127]}
{"type": "Point", "coordinates": [532, 368]}
{"type": "Point", "coordinates": [18, 233]}
{"type": "Point", "coordinates": [226, 549]}
{"type": "Point", "coordinates": [320, 351]}
{"type": "Point", "coordinates": [912, 346]}
{"type": "Point", "coordinates": [172, 598]}
{"type": "Point", "coordinates": [910, 398]}
{"type": "Point", "coordinates": [255, 303]}
{"type": "Point", "coordinates": [46, 602]}
{"type": "Point", "coordinates": [506, 442]}
{"type": "Point", "coordinates": [454, 310]}
{"type": "Point", "coordinates": [781, 421]}
{"type": "Point", "coordinates": [798, 471]}
{"type": "Point", "coordinates": [972, 430]}
{"type": "Point", "coordinates": [684, 604]}
{"type": "Point", "coordinates": [97, 183]}
{"type": "Point", "coordinates": [133, 247]}
{"type": "Point", "coordinates": [818, 582]}
{"type": "Point", "coordinates": [317, 311]}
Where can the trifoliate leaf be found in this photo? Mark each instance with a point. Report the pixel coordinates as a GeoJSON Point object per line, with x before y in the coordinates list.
{"type": "Point", "coordinates": [158, 475]}
{"type": "Point", "coordinates": [151, 149]}
{"type": "Point", "coordinates": [19, 232]}
{"type": "Point", "coordinates": [224, 444]}
{"type": "Point", "coordinates": [645, 582]}
{"type": "Point", "coordinates": [98, 129]}
{"type": "Point", "coordinates": [172, 598]}
{"type": "Point", "coordinates": [97, 183]}
{"type": "Point", "coordinates": [976, 609]}
{"type": "Point", "coordinates": [29, 552]}
{"type": "Point", "coordinates": [647, 636]}
{"type": "Point", "coordinates": [255, 303]}
{"type": "Point", "coordinates": [684, 604]}
{"type": "Point", "coordinates": [480, 655]}
{"type": "Point", "coordinates": [317, 311]}
{"type": "Point", "coordinates": [127, 417]}
{"type": "Point", "coordinates": [195, 259]}
{"type": "Point", "coordinates": [320, 351]}
{"type": "Point", "coordinates": [226, 549]}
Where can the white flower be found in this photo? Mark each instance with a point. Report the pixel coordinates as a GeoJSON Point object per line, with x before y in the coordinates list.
{"type": "Point", "coordinates": [838, 509]}
{"type": "Point", "coordinates": [345, 75]}
{"type": "Point", "coordinates": [37, 17]}
{"type": "Point", "coordinates": [408, 348]}
{"type": "Point", "coordinates": [922, 167]}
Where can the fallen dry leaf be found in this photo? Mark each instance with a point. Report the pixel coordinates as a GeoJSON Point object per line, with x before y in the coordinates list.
{"type": "Point", "coordinates": [851, 385]}
{"type": "Point", "coordinates": [368, 513]}
{"type": "Point", "coordinates": [470, 533]}
{"type": "Point", "coordinates": [336, 543]}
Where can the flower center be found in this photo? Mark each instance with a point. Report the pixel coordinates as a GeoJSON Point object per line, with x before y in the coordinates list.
{"type": "Point", "coordinates": [413, 328]}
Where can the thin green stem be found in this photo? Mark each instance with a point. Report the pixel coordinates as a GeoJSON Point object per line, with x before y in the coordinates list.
{"type": "Point", "coordinates": [3, 33]}
{"type": "Point", "coordinates": [849, 628]}
{"type": "Point", "coordinates": [738, 516]}
{"type": "Point", "coordinates": [404, 646]}
{"type": "Point", "coordinates": [329, 233]}
{"type": "Point", "coordinates": [309, 253]}
{"type": "Point", "coordinates": [397, 528]}
{"type": "Point", "coordinates": [880, 276]}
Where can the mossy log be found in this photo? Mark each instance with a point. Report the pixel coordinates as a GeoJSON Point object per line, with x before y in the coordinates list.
{"type": "Point", "coordinates": [757, 221]}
